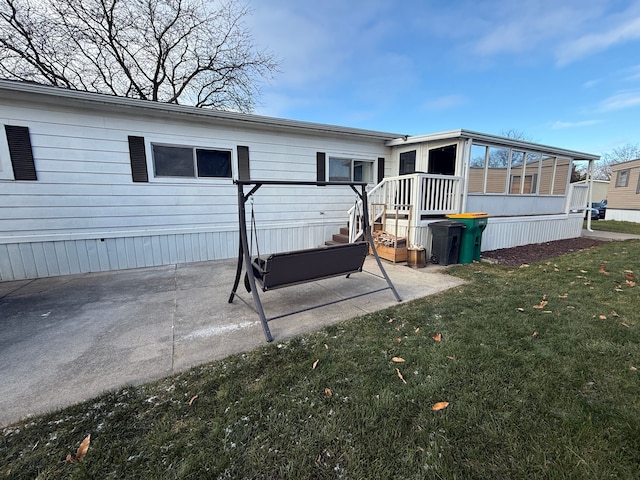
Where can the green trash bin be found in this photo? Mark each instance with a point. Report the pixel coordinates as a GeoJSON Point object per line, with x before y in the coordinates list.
{"type": "Point", "coordinates": [471, 241]}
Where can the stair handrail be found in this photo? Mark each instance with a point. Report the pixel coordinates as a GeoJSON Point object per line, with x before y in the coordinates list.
{"type": "Point", "coordinates": [355, 214]}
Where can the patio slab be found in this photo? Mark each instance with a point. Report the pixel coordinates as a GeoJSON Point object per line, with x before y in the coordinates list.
{"type": "Point", "coordinates": [67, 339]}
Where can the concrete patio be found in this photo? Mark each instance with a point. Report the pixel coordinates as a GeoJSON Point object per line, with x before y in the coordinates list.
{"type": "Point", "coordinates": [67, 339]}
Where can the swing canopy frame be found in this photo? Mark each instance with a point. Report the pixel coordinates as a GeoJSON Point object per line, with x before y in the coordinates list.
{"type": "Point", "coordinates": [285, 269]}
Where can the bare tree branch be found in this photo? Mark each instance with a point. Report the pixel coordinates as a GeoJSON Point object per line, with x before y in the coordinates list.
{"type": "Point", "coordinates": [193, 52]}
{"type": "Point", "coordinates": [617, 155]}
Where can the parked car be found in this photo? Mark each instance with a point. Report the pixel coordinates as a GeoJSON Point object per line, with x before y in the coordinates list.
{"type": "Point", "coordinates": [598, 210]}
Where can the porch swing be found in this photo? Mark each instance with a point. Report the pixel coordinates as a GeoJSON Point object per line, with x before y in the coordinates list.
{"type": "Point", "coordinates": [284, 269]}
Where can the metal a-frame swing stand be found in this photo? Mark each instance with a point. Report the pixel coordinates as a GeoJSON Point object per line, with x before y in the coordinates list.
{"type": "Point", "coordinates": [303, 265]}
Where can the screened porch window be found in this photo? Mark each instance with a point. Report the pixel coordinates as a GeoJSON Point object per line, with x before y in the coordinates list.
{"type": "Point", "coordinates": [350, 170]}
{"type": "Point", "coordinates": [191, 162]}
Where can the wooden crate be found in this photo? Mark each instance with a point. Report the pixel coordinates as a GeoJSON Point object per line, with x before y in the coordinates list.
{"type": "Point", "coordinates": [398, 254]}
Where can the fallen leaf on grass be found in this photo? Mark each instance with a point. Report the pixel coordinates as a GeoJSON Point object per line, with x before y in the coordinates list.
{"type": "Point", "coordinates": [630, 283]}
{"type": "Point", "coordinates": [524, 265]}
{"type": "Point", "coordinates": [541, 305]}
{"type": "Point", "coordinates": [315, 364]}
{"type": "Point", "coordinates": [619, 290]}
{"type": "Point", "coordinates": [520, 309]}
{"type": "Point", "coordinates": [81, 452]}
{"type": "Point", "coordinates": [390, 320]}
{"type": "Point", "coordinates": [602, 317]}
{"type": "Point", "coordinates": [83, 448]}
{"type": "Point", "coordinates": [399, 340]}
{"type": "Point", "coordinates": [534, 334]}
{"type": "Point", "coordinates": [193, 399]}
{"type": "Point", "coordinates": [564, 295]}
{"type": "Point", "coordinates": [439, 406]}
{"type": "Point", "coordinates": [400, 376]}
{"type": "Point", "coordinates": [633, 369]}
{"type": "Point", "coordinates": [437, 337]}
{"type": "Point", "coordinates": [602, 269]}
{"type": "Point", "coordinates": [624, 325]}
{"type": "Point", "coordinates": [326, 347]}
{"type": "Point", "coordinates": [328, 392]}
{"type": "Point", "coordinates": [614, 313]}
{"type": "Point", "coordinates": [451, 357]}
{"type": "Point", "coordinates": [583, 271]}
{"type": "Point", "coordinates": [397, 359]}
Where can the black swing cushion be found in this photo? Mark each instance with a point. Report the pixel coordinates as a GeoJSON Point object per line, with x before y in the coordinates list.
{"type": "Point", "coordinates": [300, 266]}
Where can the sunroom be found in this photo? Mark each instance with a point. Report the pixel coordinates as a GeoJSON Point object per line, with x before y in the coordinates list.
{"type": "Point", "coordinates": [524, 187]}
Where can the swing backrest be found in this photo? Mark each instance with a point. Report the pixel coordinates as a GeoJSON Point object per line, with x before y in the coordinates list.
{"type": "Point", "coordinates": [301, 266]}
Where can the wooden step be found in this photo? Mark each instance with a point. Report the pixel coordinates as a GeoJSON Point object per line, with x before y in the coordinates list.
{"type": "Point", "coordinates": [341, 237]}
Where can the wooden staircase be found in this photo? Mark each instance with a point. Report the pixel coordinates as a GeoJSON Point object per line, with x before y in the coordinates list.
{"type": "Point", "coordinates": [339, 238]}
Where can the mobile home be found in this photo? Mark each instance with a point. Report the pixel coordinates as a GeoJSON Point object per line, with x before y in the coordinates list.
{"type": "Point", "coordinates": [93, 182]}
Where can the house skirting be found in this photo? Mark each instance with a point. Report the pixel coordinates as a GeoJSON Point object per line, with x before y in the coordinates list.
{"type": "Point", "coordinates": [623, 215]}
{"type": "Point", "coordinates": [28, 258]}
{"type": "Point", "coordinates": [507, 232]}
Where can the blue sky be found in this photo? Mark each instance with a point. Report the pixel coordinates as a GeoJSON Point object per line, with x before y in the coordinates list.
{"type": "Point", "coordinates": [563, 72]}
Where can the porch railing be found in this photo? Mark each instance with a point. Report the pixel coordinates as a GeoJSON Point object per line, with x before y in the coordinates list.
{"type": "Point", "coordinates": [578, 200]}
{"type": "Point", "coordinates": [428, 194]}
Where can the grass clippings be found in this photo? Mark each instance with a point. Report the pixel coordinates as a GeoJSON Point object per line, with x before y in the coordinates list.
{"type": "Point", "coordinates": [509, 391]}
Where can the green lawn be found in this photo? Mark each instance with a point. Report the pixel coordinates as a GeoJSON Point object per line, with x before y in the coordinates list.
{"type": "Point", "coordinates": [615, 226]}
{"type": "Point", "coordinates": [539, 367]}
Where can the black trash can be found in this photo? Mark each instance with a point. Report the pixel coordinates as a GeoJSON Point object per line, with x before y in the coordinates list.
{"type": "Point", "coordinates": [445, 241]}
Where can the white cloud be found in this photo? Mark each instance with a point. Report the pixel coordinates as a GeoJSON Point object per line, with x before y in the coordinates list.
{"type": "Point", "coordinates": [589, 44]}
{"type": "Point", "coordinates": [317, 42]}
{"type": "Point", "coordinates": [621, 101]}
{"type": "Point", "coordinates": [446, 102]}
{"type": "Point", "coordinates": [559, 125]}
{"type": "Point", "coordinates": [633, 73]}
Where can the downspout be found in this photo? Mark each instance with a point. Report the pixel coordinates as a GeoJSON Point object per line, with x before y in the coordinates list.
{"type": "Point", "coordinates": [589, 194]}
{"type": "Point", "coordinates": [466, 153]}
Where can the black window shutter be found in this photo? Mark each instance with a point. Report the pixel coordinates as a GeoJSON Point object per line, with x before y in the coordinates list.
{"type": "Point", "coordinates": [21, 153]}
{"type": "Point", "coordinates": [380, 169]}
{"type": "Point", "coordinates": [244, 172]}
{"type": "Point", "coordinates": [138, 158]}
{"type": "Point", "coordinates": [321, 161]}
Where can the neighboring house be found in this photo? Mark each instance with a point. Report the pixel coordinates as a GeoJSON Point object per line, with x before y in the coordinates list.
{"type": "Point", "coordinates": [92, 182]}
{"type": "Point", "coordinates": [623, 196]}
{"type": "Point", "coordinates": [600, 189]}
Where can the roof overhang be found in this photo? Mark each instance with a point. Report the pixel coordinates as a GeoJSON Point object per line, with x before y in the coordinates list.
{"type": "Point", "coordinates": [46, 94]}
{"type": "Point", "coordinates": [488, 139]}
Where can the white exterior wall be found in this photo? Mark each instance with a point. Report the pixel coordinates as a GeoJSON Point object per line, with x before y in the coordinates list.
{"type": "Point", "coordinates": [510, 232]}
{"type": "Point", "coordinates": [622, 215]}
{"type": "Point", "coordinates": [507, 232]}
{"type": "Point", "coordinates": [516, 205]}
{"type": "Point", "coordinates": [85, 214]}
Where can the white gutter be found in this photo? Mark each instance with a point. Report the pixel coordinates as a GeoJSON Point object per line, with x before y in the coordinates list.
{"type": "Point", "coordinates": [589, 193]}
{"type": "Point", "coordinates": [57, 95]}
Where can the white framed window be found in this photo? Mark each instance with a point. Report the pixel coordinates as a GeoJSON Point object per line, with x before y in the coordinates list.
{"type": "Point", "coordinates": [350, 170]}
{"type": "Point", "coordinates": [622, 178]}
{"type": "Point", "coordinates": [176, 161]}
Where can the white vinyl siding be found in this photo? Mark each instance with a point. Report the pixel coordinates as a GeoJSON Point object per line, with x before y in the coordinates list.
{"type": "Point", "coordinates": [86, 208]}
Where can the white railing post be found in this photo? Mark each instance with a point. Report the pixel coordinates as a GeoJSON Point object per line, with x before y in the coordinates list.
{"type": "Point", "coordinates": [428, 194]}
